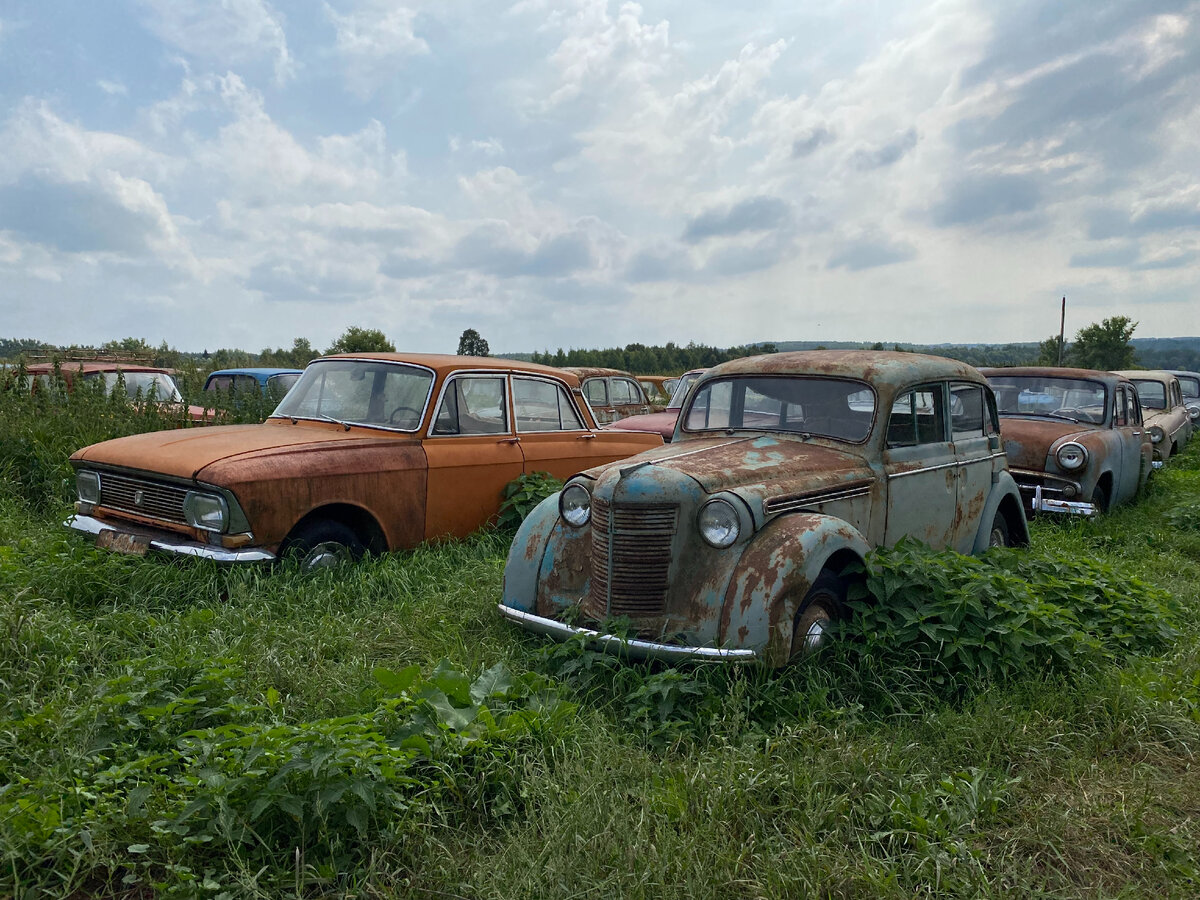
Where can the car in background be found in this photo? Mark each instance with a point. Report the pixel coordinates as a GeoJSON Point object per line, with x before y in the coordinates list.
{"type": "Point", "coordinates": [662, 423]}
{"type": "Point", "coordinates": [733, 541]}
{"type": "Point", "coordinates": [612, 394]}
{"type": "Point", "coordinates": [138, 381]}
{"type": "Point", "coordinates": [367, 452]}
{"type": "Point", "coordinates": [1082, 454]}
{"type": "Point", "coordinates": [1189, 386]}
{"type": "Point", "coordinates": [272, 383]}
{"type": "Point", "coordinates": [658, 388]}
{"type": "Point", "coordinates": [1165, 414]}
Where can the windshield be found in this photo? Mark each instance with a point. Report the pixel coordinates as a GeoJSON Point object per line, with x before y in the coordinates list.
{"type": "Point", "coordinates": [158, 385]}
{"type": "Point", "coordinates": [359, 392]}
{"type": "Point", "coordinates": [1153, 394]}
{"type": "Point", "coordinates": [682, 385]}
{"type": "Point", "coordinates": [832, 407]}
{"type": "Point", "coordinates": [1074, 399]}
{"type": "Point", "coordinates": [1190, 386]}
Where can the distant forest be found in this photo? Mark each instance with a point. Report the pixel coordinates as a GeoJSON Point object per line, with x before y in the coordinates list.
{"type": "Point", "coordinates": [1152, 353]}
{"type": "Point", "coordinates": [642, 359]}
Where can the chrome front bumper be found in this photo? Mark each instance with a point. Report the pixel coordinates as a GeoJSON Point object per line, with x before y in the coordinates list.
{"type": "Point", "coordinates": [181, 547]}
{"type": "Point", "coordinates": [1053, 505]}
{"type": "Point", "coordinates": [626, 647]}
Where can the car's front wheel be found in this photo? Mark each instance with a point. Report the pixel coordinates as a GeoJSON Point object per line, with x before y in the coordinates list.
{"type": "Point", "coordinates": [824, 605]}
{"type": "Point", "coordinates": [998, 536]}
{"type": "Point", "coordinates": [323, 544]}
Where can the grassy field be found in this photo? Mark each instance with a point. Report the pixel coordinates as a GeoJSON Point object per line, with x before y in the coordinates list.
{"type": "Point", "coordinates": [181, 729]}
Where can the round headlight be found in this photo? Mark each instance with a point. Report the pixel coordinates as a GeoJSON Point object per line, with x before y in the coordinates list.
{"type": "Point", "coordinates": [718, 523]}
{"type": "Point", "coordinates": [1194, 412]}
{"type": "Point", "coordinates": [575, 505]}
{"type": "Point", "coordinates": [1157, 434]}
{"type": "Point", "coordinates": [1072, 456]}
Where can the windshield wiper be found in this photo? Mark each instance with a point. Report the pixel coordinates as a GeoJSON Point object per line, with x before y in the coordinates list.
{"type": "Point", "coordinates": [345, 425]}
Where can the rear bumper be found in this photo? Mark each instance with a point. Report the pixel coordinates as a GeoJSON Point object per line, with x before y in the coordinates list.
{"type": "Point", "coordinates": [93, 526]}
{"type": "Point", "coordinates": [626, 647]}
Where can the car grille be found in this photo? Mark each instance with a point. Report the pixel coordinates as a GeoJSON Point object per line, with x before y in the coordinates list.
{"type": "Point", "coordinates": [142, 497]}
{"type": "Point", "coordinates": [632, 580]}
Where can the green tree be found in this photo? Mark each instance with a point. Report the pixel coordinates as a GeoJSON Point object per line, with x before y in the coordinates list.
{"type": "Point", "coordinates": [1105, 346]}
{"type": "Point", "coordinates": [1048, 352]}
{"type": "Point", "coordinates": [362, 340]}
{"type": "Point", "coordinates": [471, 344]}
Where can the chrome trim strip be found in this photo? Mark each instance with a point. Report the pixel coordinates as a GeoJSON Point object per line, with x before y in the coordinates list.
{"type": "Point", "coordinates": [949, 465]}
{"type": "Point", "coordinates": [627, 647]}
{"type": "Point", "coordinates": [794, 503]}
{"type": "Point", "coordinates": [93, 526]}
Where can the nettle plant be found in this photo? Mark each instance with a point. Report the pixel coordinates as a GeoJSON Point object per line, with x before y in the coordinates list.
{"type": "Point", "coordinates": [1004, 614]}
{"type": "Point", "coordinates": [524, 493]}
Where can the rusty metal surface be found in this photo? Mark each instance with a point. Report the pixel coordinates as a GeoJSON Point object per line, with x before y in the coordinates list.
{"type": "Point", "coordinates": [879, 367]}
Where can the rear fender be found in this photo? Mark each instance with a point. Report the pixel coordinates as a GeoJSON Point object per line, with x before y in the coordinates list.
{"type": "Point", "coordinates": [774, 575]}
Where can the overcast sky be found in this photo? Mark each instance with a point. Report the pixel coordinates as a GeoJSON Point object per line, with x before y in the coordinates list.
{"type": "Point", "coordinates": [582, 173]}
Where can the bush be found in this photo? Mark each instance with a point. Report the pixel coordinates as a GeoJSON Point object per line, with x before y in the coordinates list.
{"type": "Point", "coordinates": [523, 493]}
{"type": "Point", "coordinates": [1007, 613]}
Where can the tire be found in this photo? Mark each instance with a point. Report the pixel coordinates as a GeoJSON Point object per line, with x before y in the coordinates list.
{"type": "Point", "coordinates": [1100, 498]}
{"type": "Point", "coordinates": [824, 604]}
{"type": "Point", "coordinates": [998, 535]}
{"type": "Point", "coordinates": [324, 544]}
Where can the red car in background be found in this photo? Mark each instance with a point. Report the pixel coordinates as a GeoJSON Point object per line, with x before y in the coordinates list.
{"type": "Point", "coordinates": [662, 423]}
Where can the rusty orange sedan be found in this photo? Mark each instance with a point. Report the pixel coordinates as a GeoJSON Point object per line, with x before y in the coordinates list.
{"type": "Point", "coordinates": [367, 452]}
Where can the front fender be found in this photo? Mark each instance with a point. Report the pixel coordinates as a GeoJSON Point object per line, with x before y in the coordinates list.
{"type": "Point", "coordinates": [1018, 528]}
{"type": "Point", "coordinates": [774, 575]}
{"type": "Point", "coordinates": [525, 555]}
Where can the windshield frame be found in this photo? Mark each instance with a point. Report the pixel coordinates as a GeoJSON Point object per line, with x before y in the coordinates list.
{"type": "Point", "coordinates": [792, 376]}
{"type": "Point", "coordinates": [375, 425]}
{"type": "Point", "coordinates": [681, 389]}
{"type": "Point", "coordinates": [998, 380]}
{"type": "Point", "coordinates": [1164, 387]}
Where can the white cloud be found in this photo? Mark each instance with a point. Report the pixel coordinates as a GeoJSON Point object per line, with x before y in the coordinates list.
{"type": "Point", "coordinates": [374, 39]}
{"type": "Point", "coordinates": [228, 32]}
{"type": "Point", "coordinates": [112, 88]}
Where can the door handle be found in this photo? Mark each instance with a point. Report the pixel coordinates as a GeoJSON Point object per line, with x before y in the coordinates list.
{"type": "Point", "coordinates": [587, 437]}
{"type": "Point", "coordinates": [1136, 433]}
{"type": "Point", "coordinates": [511, 440]}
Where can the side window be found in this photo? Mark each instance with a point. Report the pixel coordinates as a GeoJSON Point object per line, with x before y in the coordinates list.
{"type": "Point", "coordinates": [710, 407]}
{"type": "Point", "coordinates": [543, 406]}
{"type": "Point", "coordinates": [966, 411]}
{"type": "Point", "coordinates": [596, 391]}
{"type": "Point", "coordinates": [917, 417]}
{"type": "Point", "coordinates": [1120, 407]}
{"type": "Point", "coordinates": [472, 404]}
{"type": "Point", "coordinates": [623, 392]}
{"type": "Point", "coordinates": [1133, 407]}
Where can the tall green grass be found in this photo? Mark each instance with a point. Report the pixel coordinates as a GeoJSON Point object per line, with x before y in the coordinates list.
{"type": "Point", "coordinates": [178, 728]}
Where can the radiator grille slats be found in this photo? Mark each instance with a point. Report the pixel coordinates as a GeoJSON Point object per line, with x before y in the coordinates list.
{"type": "Point", "coordinates": [633, 581]}
{"type": "Point", "coordinates": [158, 500]}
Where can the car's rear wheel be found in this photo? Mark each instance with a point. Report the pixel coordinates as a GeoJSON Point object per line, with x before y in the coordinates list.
{"type": "Point", "coordinates": [824, 605]}
{"type": "Point", "coordinates": [323, 544]}
{"type": "Point", "coordinates": [998, 536]}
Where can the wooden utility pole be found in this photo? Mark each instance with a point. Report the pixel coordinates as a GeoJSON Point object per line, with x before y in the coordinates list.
{"type": "Point", "coordinates": [1062, 324]}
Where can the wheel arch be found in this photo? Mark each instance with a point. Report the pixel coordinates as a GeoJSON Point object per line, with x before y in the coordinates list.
{"type": "Point", "coordinates": [365, 526]}
{"type": "Point", "coordinates": [1005, 500]}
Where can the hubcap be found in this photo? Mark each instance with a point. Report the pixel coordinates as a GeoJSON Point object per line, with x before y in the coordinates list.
{"type": "Point", "coordinates": [325, 555]}
{"type": "Point", "coordinates": [997, 539]}
{"type": "Point", "coordinates": [815, 636]}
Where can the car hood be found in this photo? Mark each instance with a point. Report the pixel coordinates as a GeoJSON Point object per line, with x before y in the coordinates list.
{"type": "Point", "coordinates": [766, 465]}
{"type": "Point", "coordinates": [187, 453]}
{"type": "Point", "coordinates": [1027, 441]}
{"type": "Point", "coordinates": [656, 423]}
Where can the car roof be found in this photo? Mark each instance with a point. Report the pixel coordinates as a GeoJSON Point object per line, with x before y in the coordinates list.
{"type": "Point", "coordinates": [445, 364]}
{"type": "Point", "coordinates": [596, 372]}
{"type": "Point", "coordinates": [1056, 372]}
{"type": "Point", "coordinates": [264, 371]}
{"type": "Point", "coordinates": [881, 367]}
{"type": "Point", "coordinates": [89, 367]}
{"type": "Point", "coordinates": [1148, 375]}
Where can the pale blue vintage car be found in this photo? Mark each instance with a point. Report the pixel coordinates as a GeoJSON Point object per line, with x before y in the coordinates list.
{"type": "Point", "coordinates": [731, 542]}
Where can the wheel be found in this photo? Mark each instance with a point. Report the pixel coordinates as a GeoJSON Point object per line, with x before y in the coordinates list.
{"type": "Point", "coordinates": [823, 606]}
{"type": "Point", "coordinates": [998, 536]}
{"type": "Point", "coordinates": [1100, 498]}
{"type": "Point", "coordinates": [408, 410]}
{"type": "Point", "coordinates": [323, 544]}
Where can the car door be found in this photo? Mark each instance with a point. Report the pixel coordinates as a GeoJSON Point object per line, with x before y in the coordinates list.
{"type": "Point", "coordinates": [596, 391]}
{"type": "Point", "coordinates": [921, 468]}
{"type": "Point", "coordinates": [971, 430]}
{"type": "Point", "coordinates": [553, 436]}
{"type": "Point", "coordinates": [626, 398]}
{"type": "Point", "coordinates": [472, 454]}
{"type": "Point", "coordinates": [1128, 435]}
